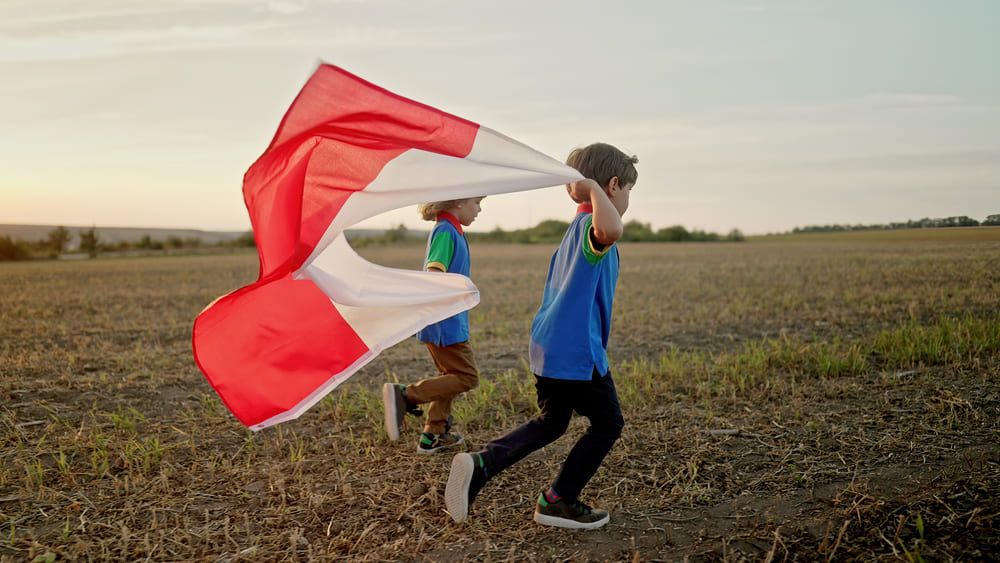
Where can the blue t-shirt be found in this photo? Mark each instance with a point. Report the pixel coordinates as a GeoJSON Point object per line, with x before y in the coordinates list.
{"type": "Point", "coordinates": [448, 250]}
{"type": "Point", "coordinates": [569, 336]}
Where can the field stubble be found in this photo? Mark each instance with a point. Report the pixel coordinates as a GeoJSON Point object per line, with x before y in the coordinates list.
{"type": "Point", "coordinates": [799, 400]}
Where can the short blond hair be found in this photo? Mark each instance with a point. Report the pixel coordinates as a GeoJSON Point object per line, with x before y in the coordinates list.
{"type": "Point", "coordinates": [430, 211]}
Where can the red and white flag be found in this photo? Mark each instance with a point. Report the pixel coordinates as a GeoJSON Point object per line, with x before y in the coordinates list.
{"type": "Point", "coordinates": [345, 151]}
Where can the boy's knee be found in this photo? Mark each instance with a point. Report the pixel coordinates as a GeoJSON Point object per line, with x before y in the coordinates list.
{"type": "Point", "coordinates": [468, 381]}
{"type": "Point", "coordinates": [553, 427]}
{"type": "Point", "coordinates": [611, 428]}
{"type": "Point", "coordinates": [618, 424]}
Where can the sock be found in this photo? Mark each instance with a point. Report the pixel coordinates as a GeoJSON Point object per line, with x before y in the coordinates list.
{"type": "Point", "coordinates": [412, 407]}
{"type": "Point", "coordinates": [481, 464]}
{"type": "Point", "coordinates": [552, 496]}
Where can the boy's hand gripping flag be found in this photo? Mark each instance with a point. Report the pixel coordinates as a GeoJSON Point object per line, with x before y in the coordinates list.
{"type": "Point", "coordinates": [345, 151]}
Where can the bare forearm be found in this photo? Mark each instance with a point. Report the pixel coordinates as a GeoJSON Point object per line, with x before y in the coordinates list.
{"type": "Point", "coordinates": [607, 222]}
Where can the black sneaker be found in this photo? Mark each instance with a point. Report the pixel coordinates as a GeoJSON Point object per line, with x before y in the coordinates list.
{"type": "Point", "coordinates": [467, 477]}
{"type": "Point", "coordinates": [430, 443]}
{"type": "Point", "coordinates": [569, 514]}
{"type": "Point", "coordinates": [396, 407]}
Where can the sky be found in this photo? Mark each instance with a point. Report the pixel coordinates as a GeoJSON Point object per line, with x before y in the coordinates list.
{"type": "Point", "coordinates": [758, 115]}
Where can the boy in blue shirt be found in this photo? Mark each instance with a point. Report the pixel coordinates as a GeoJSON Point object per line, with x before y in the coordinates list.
{"type": "Point", "coordinates": [568, 351]}
{"type": "Point", "coordinates": [447, 340]}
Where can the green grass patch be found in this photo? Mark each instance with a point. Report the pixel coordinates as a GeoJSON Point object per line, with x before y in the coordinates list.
{"type": "Point", "coordinates": [777, 363]}
{"type": "Point", "coordinates": [771, 366]}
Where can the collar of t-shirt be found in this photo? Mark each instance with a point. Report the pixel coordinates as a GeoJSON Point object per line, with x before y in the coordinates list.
{"type": "Point", "coordinates": [445, 216]}
{"type": "Point", "coordinates": [585, 208]}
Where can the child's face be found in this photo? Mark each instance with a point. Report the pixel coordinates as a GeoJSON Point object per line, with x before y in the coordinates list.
{"type": "Point", "coordinates": [466, 210]}
{"type": "Point", "coordinates": [618, 195]}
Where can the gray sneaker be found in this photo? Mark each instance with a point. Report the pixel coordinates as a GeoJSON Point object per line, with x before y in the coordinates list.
{"type": "Point", "coordinates": [431, 443]}
{"type": "Point", "coordinates": [569, 514]}
{"type": "Point", "coordinates": [466, 479]}
{"type": "Point", "coordinates": [396, 407]}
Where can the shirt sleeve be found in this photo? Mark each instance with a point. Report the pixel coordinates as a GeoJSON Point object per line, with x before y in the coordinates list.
{"type": "Point", "coordinates": [441, 251]}
{"type": "Point", "coordinates": [593, 251]}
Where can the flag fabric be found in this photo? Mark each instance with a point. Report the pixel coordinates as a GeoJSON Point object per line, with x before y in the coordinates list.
{"type": "Point", "coordinates": [346, 150]}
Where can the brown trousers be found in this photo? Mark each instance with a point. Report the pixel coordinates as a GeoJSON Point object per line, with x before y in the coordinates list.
{"type": "Point", "coordinates": [458, 374]}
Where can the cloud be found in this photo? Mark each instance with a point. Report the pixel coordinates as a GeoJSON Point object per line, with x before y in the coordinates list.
{"type": "Point", "coordinates": [287, 7]}
{"type": "Point", "coordinates": [943, 160]}
{"type": "Point", "coordinates": [126, 41]}
{"type": "Point", "coordinates": [48, 22]}
{"type": "Point", "coordinates": [281, 7]}
{"type": "Point", "coordinates": [270, 34]}
{"type": "Point", "coordinates": [915, 101]}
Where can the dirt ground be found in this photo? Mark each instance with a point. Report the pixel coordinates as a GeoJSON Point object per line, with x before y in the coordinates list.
{"type": "Point", "coordinates": [783, 401]}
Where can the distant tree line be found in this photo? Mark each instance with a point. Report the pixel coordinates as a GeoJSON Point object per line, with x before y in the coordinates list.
{"type": "Point", "coordinates": [54, 244]}
{"type": "Point", "coordinates": [395, 235]}
{"type": "Point", "coordinates": [552, 231]}
{"type": "Point", "coordinates": [925, 223]}
{"type": "Point", "coordinates": [57, 242]}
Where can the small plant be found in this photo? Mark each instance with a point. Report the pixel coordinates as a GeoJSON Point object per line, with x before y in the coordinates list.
{"type": "Point", "coordinates": [126, 420]}
{"type": "Point", "coordinates": [152, 454]}
{"type": "Point", "coordinates": [35, 474]}
{"type": "Point", "coordinates": [100, 459]}
{"type": "Point", "coordinates": [913, 554]}
{"type": "Point", "coordinates": [296, 450]}
{"type": "Point", "coordinates": [62, 464]}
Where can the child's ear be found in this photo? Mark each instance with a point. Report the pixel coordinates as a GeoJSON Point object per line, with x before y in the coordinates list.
{"type": "Point", "coordinates": [614, 184]}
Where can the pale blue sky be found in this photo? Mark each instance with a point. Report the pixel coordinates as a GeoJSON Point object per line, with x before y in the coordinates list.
{"type": "Point", "coordinates": [760, 115]}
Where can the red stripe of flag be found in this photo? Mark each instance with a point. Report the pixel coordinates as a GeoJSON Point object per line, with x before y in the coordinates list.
{"type": "Point", "coordinates": [271, 345]}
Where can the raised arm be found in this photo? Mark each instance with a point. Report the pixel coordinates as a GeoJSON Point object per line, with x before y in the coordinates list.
{"type": "Point", "coordinates": [607, 221]}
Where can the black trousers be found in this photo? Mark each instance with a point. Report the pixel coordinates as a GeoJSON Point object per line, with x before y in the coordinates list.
{"type": "Point", "coordinates": [558, 399]}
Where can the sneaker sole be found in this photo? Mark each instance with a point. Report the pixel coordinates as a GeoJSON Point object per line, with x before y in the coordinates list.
{"type": "Point", "coordinates": [558, 522]}
{"type": "Point", "coordinates": [456, 492]}
{"type": "Point", "coordinates": [389, 407]}
{"type": "Point", "coordinates": [439, 448]}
